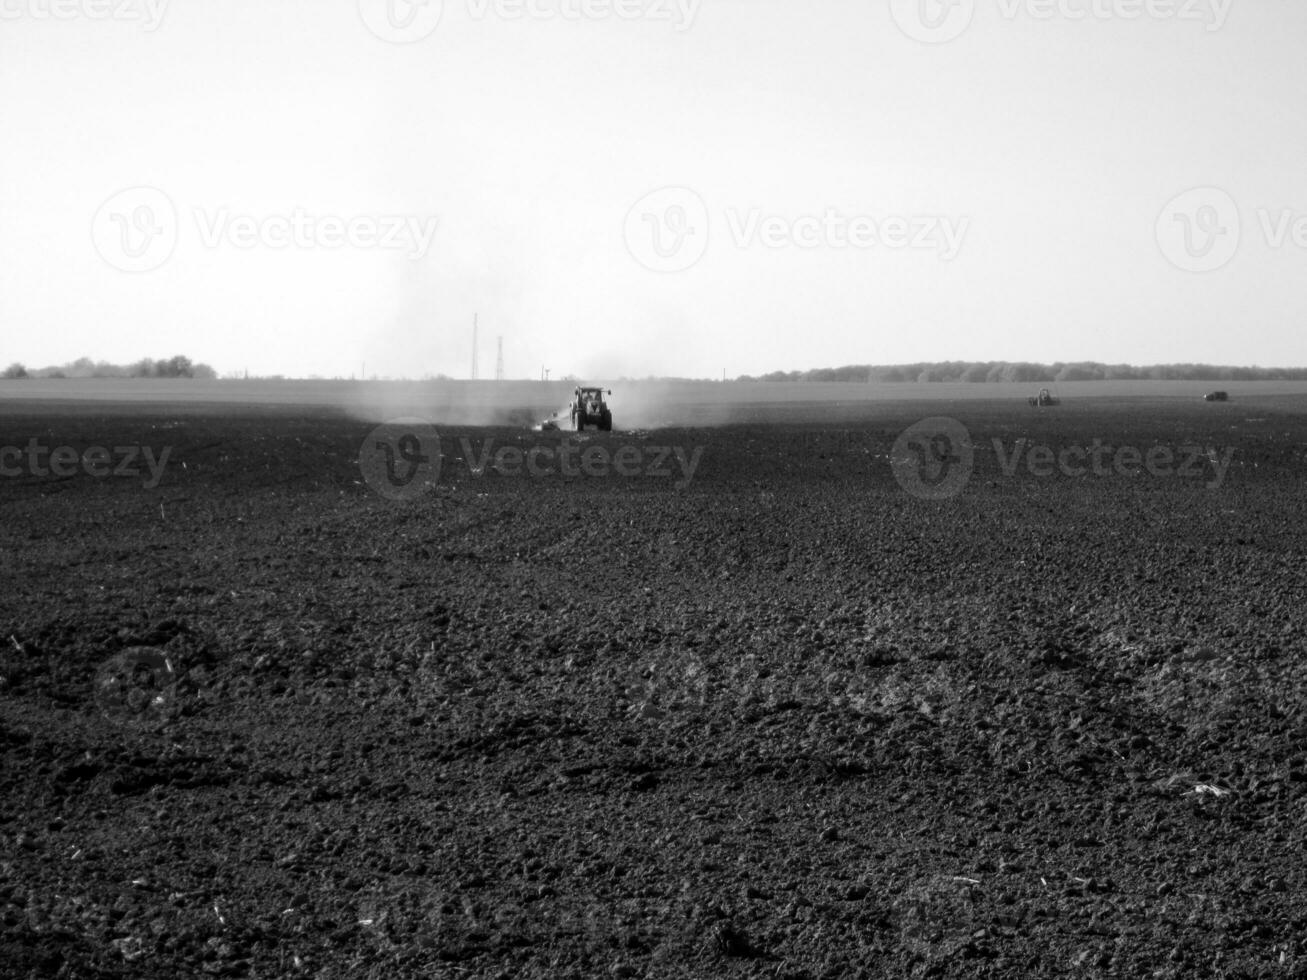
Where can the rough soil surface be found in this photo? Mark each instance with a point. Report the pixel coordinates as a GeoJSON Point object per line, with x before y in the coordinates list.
{"type": "Point", "coordinates": [788, 721]}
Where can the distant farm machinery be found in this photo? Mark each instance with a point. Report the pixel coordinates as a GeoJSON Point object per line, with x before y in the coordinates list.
{"type": "Point", "coordinates": [589, 408]}
{"type": "Point", "coordinates": [1044, 399]}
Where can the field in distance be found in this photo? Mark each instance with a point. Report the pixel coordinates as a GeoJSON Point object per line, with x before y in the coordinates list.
{"type": "Point", "coordinates": [635, 404]}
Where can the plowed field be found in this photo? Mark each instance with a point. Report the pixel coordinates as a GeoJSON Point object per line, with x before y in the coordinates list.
{"type": "Point", "coordinates": [776, 716]}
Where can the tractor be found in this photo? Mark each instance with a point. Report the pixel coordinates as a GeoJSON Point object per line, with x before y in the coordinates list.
{"type": "Point", "coordinates": [589, 408]}
{"type": "Point", "coordinates": [1044, 399]}
{"type": "Point", "coordinates": [1217, 396]}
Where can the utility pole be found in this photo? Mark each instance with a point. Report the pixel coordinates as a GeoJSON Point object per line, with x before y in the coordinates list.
{"type": "Point", "coordinates": [499, 361]}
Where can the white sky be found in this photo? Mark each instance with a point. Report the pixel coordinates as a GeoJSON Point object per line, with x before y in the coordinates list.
{"type": "Point", "coordinates": [1049, 145]}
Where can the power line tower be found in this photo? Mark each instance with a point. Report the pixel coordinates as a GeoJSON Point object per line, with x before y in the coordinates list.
{"type": "Point", "coordinates": [474, 347]}
{"type": "Point", "coordinates": [499, 361]}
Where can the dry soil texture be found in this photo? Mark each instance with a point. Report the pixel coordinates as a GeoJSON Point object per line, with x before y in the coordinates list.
{"type": "Point", "coordinates": [784, 719]}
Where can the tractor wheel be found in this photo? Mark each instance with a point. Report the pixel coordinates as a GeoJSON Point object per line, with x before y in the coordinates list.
{"type": "Point", "coordinates": [606, 422]}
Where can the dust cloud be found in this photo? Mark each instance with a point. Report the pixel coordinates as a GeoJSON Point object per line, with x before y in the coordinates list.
{"type": "Point", "coordinates": [635, 404]}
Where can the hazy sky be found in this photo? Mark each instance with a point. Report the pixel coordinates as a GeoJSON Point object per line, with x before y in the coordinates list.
{"type": "Point", "coordinates": [636, 187]}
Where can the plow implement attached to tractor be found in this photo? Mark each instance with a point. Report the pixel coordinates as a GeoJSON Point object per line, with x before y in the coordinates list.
{"type": "Point", "coordinates": [588, 408]}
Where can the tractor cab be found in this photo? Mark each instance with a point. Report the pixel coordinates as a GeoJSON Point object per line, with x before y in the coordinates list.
{"type": "Point", "coordinates": [1044, 399]}
{"type": "Point", "coordinates": [589, 407]}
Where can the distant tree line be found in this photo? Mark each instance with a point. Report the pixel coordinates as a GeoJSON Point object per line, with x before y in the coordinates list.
{"type": "Point", "coordinates": [981, 372]}
{"type": "Point", "coordinates": [84, 367]}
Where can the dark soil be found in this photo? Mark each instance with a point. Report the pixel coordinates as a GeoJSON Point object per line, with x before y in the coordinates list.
{"type": "Point", "coordinates": [786, 721]}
